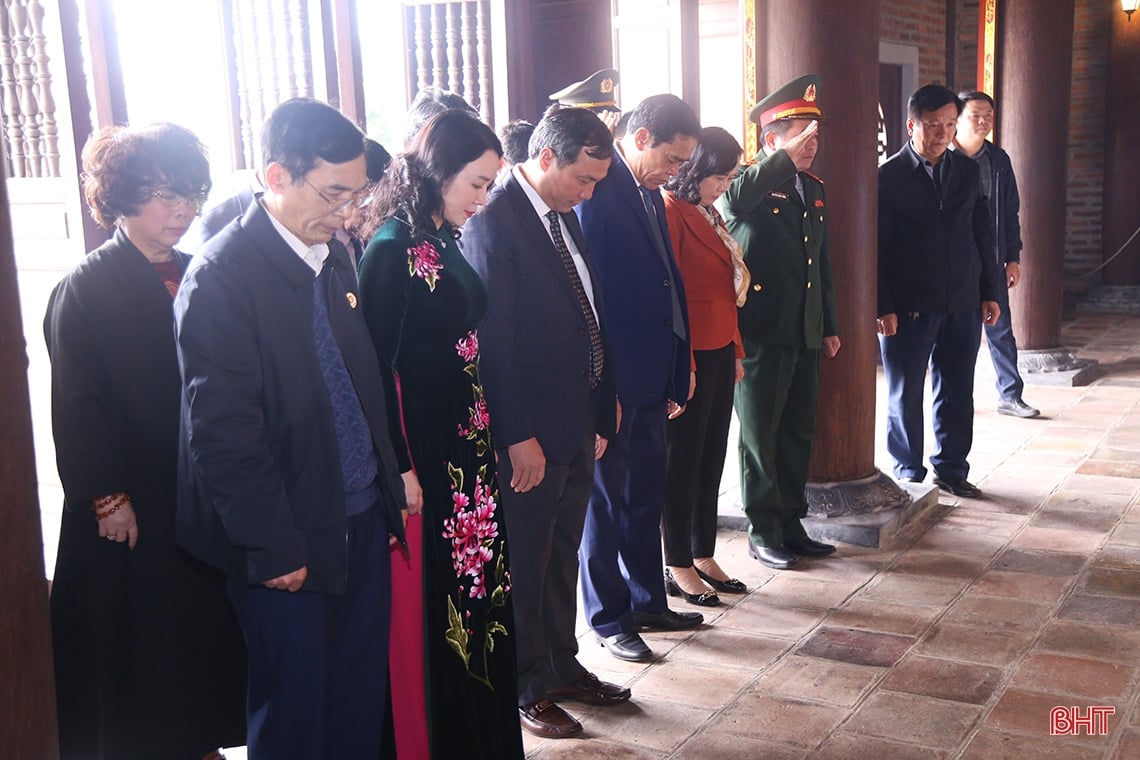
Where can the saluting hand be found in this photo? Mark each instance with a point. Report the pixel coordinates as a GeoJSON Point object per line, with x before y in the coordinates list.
{"type": "Point", "coordinates": [797, 147]}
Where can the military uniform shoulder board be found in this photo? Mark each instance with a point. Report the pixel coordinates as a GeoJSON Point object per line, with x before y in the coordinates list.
{"type": "Point", "coordinates": [817, 179]}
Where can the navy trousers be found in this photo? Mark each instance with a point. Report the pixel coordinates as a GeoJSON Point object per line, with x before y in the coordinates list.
{"type": "Point", "coordinates": [1003, 351]}
{"type": "Point", "coordinates": [620, 556]}
{"type": "Point", "coordinates": [318, 663]}
{"type": "Point", "coordinates": [948, 344]}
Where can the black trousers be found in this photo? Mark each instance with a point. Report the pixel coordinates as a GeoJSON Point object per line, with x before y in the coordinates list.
{"type": "Point", "coordinates": [545, 525]}
{"type": "Point", "coordinates": [697, 444]}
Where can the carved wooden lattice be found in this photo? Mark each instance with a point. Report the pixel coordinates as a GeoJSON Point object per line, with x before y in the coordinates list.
{"type": "Point", "coordinates": [30, 133]}
{"type": "Point", "coordinates": [449, 47]}
{"type": "Point", "coordinates": [273, 63]}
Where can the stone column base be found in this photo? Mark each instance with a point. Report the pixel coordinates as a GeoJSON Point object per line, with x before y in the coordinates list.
{"type": "Point", "coordinates": [1056, 366]}
{"type": "Point", "coordinates": [865, 512]}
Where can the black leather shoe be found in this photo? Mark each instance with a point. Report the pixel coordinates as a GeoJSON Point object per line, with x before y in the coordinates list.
{"type": "Point", "coordinates": [626, 646]}
{"type": "Point", "coordinates": [775, 557]}
{"type": "Point", "coordinates": [591, 690]}
{"type": "Point", "coordinates": [669, 620]}
{"type": "Point", "coordinates": [809, 547]}
{"type": "Point", "coordinates": [730, 586]}
{"type": "Point", "coordinates": [704, 599]}
{"type": "Point", "coordinates": [958, 487]}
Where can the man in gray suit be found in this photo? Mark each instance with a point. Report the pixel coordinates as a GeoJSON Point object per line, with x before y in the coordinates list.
{"type": "Point", "coordinates": [551, 396]}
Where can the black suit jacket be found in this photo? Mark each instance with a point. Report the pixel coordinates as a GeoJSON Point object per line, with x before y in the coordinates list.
{"type": "Point", "coordinates": [935, 251]}
{"type": "Point", "coordinates": [534, 341]}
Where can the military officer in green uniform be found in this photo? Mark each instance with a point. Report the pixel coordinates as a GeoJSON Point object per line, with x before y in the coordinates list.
{"type": "Point", "coordinates": [777, 211]}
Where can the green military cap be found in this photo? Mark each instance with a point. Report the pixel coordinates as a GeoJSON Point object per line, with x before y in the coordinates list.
{"type": "Point", "coordinates": [595, 91]}
{"type": "Point", "coordinates": [795, 100]}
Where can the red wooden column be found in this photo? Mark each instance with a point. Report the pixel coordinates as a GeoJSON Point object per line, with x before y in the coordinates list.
{"type": "Point", "coordinates": [840, 42]}
{"type": "Point", "coordinates": [27, 697]}
{"type": "Point", "coordinates": [1122, 148]}
{"type": "Point", "coordinates": [1032, 103]}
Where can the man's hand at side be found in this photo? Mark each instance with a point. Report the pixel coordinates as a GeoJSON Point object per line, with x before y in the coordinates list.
{"type": "Point", "coordinates": [528, 463]}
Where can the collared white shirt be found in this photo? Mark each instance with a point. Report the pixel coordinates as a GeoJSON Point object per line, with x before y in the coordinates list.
{"type": "Point", "coordinates": [314, 256]}
{"type": "Point", "coordinates": [542, 210]}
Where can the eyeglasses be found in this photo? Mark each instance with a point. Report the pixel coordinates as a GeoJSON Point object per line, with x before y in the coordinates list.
{"type": "Point", "coordinates": [172, 199]}
{"type": "Point", "coordinates": [336, 205]}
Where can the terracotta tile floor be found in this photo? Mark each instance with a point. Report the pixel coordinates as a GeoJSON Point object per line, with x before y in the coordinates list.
{"type": "Point", "coordinates": [957, 642]}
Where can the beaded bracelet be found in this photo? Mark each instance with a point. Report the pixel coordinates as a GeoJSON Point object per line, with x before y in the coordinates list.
{"type": "Point", "coordinates": [109, 505]}
{"type": "Point", "coordinates": [109, 512]}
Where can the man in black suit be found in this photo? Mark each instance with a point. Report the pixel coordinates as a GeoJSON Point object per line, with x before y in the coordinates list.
{"type": "Point", "coordinates": [551, 397]}
{"type": "Point", "coordinates": [938, 283]}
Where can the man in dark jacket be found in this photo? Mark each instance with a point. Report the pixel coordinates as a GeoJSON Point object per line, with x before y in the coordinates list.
{"type": "Point", "coordinates": [999, 185]}
{"type": "Point", "coordinates": [938, 282]}
{"type": "Point", "coordinates": [288, 480]}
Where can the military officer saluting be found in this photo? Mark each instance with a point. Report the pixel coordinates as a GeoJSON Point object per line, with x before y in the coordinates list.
{"type": "Point", "coordinates": [777, 211]}
{"type": "Point", "coordinates": [595, 93]}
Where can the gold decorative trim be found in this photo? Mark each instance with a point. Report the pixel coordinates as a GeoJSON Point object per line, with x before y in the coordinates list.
{"type": "Point", "coordinates": [987, 45]}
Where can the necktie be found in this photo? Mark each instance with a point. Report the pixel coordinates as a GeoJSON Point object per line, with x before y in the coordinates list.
{"type": "Point", "coordinates": [655, 228]}
{"type": "Point", "coordinates": [597, 352]}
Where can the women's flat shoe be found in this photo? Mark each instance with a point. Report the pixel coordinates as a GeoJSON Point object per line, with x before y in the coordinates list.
{"type": "Point", "coordinates": [706, 599]}
{"type": "Point", "coordinates": [729, 586]}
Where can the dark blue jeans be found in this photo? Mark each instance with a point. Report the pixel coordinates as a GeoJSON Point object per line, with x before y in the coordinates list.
{"type": "Point", "coordinates": [948, 345]}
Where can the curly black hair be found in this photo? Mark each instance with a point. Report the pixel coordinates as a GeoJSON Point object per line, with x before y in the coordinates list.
{"type": "Point", "coordinates": [718, 152]}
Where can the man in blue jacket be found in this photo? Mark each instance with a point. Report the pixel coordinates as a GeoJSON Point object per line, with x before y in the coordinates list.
{"type": "Point", "coordinates": [938, 283]}
{"type": "Point", "coordinates": [288, 478]}
{"type": "Point", "coordinates": [999, 185]}
{"type": "Point", "coordinates": [624, 226]}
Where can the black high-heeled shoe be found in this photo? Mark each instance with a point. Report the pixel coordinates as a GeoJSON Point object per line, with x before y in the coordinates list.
{"type": "Point", "coordinates": [706, 599]}
{"type": "Point", "coordinates": [730, 586]}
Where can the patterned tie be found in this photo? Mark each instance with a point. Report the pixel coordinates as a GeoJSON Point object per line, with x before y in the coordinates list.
{"type": "Point", "coordinates": [597, 352]}
{"type": "Point", "coordinates": [651, 211]}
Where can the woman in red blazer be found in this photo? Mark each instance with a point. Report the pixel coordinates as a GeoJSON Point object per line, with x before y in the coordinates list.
{"type": "Point", "coordinates": [716, 282]}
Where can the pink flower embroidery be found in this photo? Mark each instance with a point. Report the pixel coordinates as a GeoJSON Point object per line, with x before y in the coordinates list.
{"type": "Point", "coordinates": [471, 532]}
{"type": "Point", "coordinates": [423, 262]}
{"type": "Point", "coordinates": [468, 346]}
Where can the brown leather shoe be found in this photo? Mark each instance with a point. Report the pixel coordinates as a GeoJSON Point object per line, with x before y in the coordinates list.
{"type": "Point", "coordinates": [591, 690]}
{"type": "Point", "coordinates": [548, 720]}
